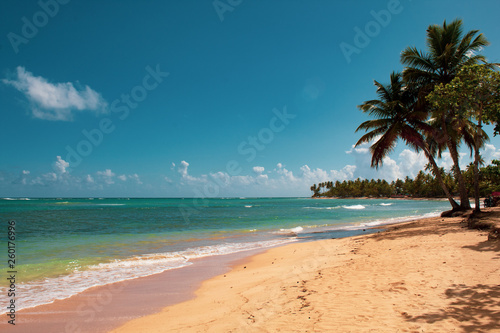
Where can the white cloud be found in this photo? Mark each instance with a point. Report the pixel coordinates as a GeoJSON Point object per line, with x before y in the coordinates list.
{"type": "Point", "coordinates": [318, 175]}
{"type": "Point", "coordinates": [359, 150]}
{"type": "Point", "coordinates": [346, 172]}
{"type": "Point", "coordinates": [36, 181]}
{"type": "Point", "coordinates": [446, 161]}
{"type": "Point", "coordinates": [135, 178]}
{"type": "Point", "coordinates": [286, 174]}
{"type": "Point", "coordinates": [362, 156]}
{"type": "Point", "coordinates": [285, 181]}
{"type": "Point", "coordinates": [46, 179]}
{"type": "Point", "coordinates": [262, 179]}
{"type": "Point", "coordinates": [51, 177]}
{"type": "Point", "coordinates": [60, 176]}
{"type": "Point", "coordinates": [106, 176]}
{"type": "Point", "coordinates": [256, 181]}
{"type": "Point", "coordinates": [410, 163]}
{"type": "Point", "coordinates": [221, 177]}
{"type": "Point", "coordinates": [258, 169]}
{"type": "Point", "coordinates": [24, 178]}
{"type": "Point", "coordinates": [57, 101]}
{"type": "Point", "coordinates": [490, 153]}
{"type": "Point", "coordinates": [61, 165]}
{"type": "Point", "coordinates": [183, 170]}
{"type": "Point", "coordinates": [278, 181]}
{"type": "Point", "coordinates": [89, 179]}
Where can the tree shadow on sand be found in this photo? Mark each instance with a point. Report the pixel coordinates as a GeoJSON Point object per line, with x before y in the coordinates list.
{"type": "Point", "coordinates": [477, 308]}
{"type": "Point", "coordinates": [490, 246]}
{"type": "Point", "coordinates": [417, 229]}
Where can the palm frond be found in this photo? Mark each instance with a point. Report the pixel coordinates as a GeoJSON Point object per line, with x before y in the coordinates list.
{"type": "Point", "coordinates": [370, 136]}
{"type": "Point", "coordinates": [375, 123]}
{"type": "Point", "coordinates": [383, 146]}
{"type": "Point", "coordinates": [414, 58]}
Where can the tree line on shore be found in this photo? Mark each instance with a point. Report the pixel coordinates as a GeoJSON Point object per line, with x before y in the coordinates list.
{"type": "Point", "coordinates": [424, 185]}
{"type": "Point", "coordinates": [439, 102]}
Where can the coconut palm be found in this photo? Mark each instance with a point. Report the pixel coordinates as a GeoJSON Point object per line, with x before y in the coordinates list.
{"type": "Point", "coordinates": [449, 49]}
{"type": "Point", "coordinates": [396, 119]}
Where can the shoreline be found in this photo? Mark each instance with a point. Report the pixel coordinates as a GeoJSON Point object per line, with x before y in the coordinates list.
{"type": "Point", "coordinates": [302, 234]}
{"type": "Point", "coordinates": [101, 309]}
{"type": "Point", "coordinates": [386, 198]}
{"type": "Point", "coordinates": [431, 274]}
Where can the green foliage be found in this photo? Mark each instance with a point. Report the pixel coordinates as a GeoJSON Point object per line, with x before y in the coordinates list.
{"type": "Point", "coordinates": [394, 119]}
{"type": "Point", "coordinates": [473, 93]}
{"type": "Point", "coordinates": [490, 178]}
{"type": "Point", "coordinates": [433, 106]}
{"type": "Point", "coordinates": [424, 185]}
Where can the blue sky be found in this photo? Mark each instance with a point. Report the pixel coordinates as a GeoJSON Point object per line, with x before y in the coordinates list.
{"type": "Point", "coordinates": [203, 98]}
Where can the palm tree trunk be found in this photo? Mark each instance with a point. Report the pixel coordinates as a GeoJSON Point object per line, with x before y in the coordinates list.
{"type": "Point", "coordinates": [452, 147]}
{"type": "Point", "coordinates": [464, 198]}
{"type": "Point", "coordinates": [477, 209]}
{"type": "Point", "coordinates": [437, 173]}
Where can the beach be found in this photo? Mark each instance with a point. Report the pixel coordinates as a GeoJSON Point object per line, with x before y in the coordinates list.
{"type": "Point", "coordinates": [67, 246]}
{"type": "Point", "coordinates": [430, 275]}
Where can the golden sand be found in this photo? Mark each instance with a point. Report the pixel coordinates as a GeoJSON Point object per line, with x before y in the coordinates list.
{"type": "Point", "coordinates": [431, 275]}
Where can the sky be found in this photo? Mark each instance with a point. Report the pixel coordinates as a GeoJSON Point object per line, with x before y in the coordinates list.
{"type": "Point", "coordinates": [224, 98]}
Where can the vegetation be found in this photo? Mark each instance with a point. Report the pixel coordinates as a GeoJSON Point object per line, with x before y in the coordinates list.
{"type": "Point", "coordinates": [424, 185]}
{"type": "Point", "coordinates": [473, 94]}
{"type": "Point", "coordinates": [439, 101]}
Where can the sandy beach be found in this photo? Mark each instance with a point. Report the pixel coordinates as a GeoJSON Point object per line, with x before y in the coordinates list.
{"type": "Point", "coordinates": [430, 275]}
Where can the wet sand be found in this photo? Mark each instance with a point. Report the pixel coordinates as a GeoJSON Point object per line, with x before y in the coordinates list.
{"type": "Point", "coordinates": [101, 309]}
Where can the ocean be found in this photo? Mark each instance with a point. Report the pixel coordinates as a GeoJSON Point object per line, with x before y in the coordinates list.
{"type": "Point", "coordinates": [64, 246]}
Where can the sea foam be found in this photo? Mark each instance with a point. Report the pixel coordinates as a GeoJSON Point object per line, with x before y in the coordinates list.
{"type": "Point", "coordinates": [354, 207]}
{"type": "Point", "coordinates": [50, 289]}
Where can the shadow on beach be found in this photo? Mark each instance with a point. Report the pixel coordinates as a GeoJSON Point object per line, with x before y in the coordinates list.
{"type": "Point", "coordinates": [490, 246]}
{"type": "Point", "coordinates": [413, 229]}
{"type": "Point", "coordinates": [333, 234]}
{"type": "Point", "coordinates": [466, 305]}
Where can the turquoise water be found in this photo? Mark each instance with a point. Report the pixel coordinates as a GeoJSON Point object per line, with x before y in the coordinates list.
{"type": "Point", "coordinates": [64, 246]}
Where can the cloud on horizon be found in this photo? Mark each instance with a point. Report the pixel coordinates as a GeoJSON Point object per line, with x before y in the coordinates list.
{"type": "Point", "coordinates": [258, 181]}
{"type": "Point", "coordinates": [55, 101]}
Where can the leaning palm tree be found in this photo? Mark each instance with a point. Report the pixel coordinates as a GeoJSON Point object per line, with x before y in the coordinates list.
{"type": "Point", "coordinates": [449, 49]}
{"type": "Point", "coordinates": [396, 119]}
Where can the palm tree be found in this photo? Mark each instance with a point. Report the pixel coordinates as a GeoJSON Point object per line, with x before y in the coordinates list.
{"type": "Point", "coordinates": [449, 49]}
{"type": "Point", "coordinates": [315, 190]}
{"type": "Point", "coordinates": [396, 119]}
